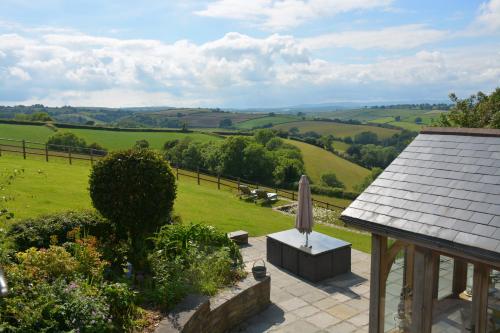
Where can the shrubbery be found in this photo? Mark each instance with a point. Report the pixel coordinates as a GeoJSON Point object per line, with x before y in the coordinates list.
{"type": "Point", "coordinates": [192, 258]}
{"type": "Point", "coordinates": [63, 140]}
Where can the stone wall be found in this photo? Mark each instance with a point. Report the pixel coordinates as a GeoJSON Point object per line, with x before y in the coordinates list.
{"type": "Point", "coordinates": [218, 314]}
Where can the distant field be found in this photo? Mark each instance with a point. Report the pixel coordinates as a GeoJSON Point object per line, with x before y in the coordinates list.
{"type": "Point", "coordinates": [336, 129]}
{"type": "Point", "coordinates": [318, 161]}
{"type": "Point", "coordinates": [257, 122]}
{"type": "Point", "coordinates": [50, 187]}
{"type": "Point", "coordinates": [340, 146]}
{"type": "Point", "coordinates": [369, 115]}
{"type": "Point", "coordinates": [111, 140]}
{"type": "Point", "coordinates": [212, 119]}
{"type": "Point", "coordinates": [408, 122]}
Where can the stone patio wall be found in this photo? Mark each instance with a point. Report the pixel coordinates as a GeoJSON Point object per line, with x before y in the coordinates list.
{"type": "Point", "coordinates": [220, 313]}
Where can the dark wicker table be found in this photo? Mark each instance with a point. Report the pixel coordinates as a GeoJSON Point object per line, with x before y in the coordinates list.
{"type": "Point", "coordinates": [327, 256]}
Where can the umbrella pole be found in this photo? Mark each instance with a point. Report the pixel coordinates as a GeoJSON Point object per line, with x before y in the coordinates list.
{"type": "Point", "coordinates": [307, 239]}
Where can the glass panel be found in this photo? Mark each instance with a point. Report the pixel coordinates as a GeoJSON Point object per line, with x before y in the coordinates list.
{"type": "Point", "coordinates": [494, 303]}
{"type": "Point", "coordinates": [393, 300]}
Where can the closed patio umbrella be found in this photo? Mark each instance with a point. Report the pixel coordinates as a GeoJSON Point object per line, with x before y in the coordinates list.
{"type": "Point", "coordinates": [304, 219]}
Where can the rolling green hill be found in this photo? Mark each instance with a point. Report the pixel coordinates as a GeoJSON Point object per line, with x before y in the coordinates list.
{"type": "Point", "coordinates": [336, 129]}
{"type": "Point", "coordinates": [110, 140]}
{"type": "Point", "coordinates": [319, 161]}
{"type": "Point", "coordinates": [273, 120]}
{"type": "Point", "coordinates": [42, 188]}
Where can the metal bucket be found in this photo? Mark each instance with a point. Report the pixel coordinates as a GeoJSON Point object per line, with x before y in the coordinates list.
{"type": "Point", "coordinates": [259, 271]}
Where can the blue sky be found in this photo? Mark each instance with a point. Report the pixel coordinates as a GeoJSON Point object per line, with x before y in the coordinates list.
{"type": "Point", "coordinates": [240, 53]}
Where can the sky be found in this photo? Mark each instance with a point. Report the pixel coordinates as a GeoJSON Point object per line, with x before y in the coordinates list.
{"type": "Point", "coordinates": [246, 53]}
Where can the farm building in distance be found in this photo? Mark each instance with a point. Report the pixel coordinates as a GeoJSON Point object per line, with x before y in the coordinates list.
{"type": "Point", "coordinates": [439, 199]}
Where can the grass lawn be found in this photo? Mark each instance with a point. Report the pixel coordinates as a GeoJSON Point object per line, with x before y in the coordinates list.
{"type": "Point", "coordinates": [278, 119]}
{"type": "Point", "coordinates": [56, 186]}
{"type": "Point", "coordinates": [336, 129]}
{"type": "Point", "coordinates": [112, 140]}
{"type": "Point", "coordinates": [319, 161]}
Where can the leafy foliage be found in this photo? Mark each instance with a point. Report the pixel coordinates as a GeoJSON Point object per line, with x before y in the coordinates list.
{"type": "Point", "coordinates": [478, 110]}
{"type": "Point", "coordinates": [192, 258]}
{"type": "Point", "coordinates": [135, 190]}
{"type": "Point", "coordinates": [330, 179]}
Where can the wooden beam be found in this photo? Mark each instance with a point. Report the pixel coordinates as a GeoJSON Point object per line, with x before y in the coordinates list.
{"type": "Point", "coordinates": [435, 277]}
{"type": "Point", "coordinates": [424, 270]}
{"type": "Point", "coordinates": [480, 298]}
{"type": "Point", "coordinates": [392, 252]}
{"type": "Point", "coordinates": [459, 277]}
{"type": "Point", "coordinates": [377, 284]}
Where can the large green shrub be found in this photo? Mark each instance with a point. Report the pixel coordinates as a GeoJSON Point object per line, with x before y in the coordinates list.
{"type": "Point", "coordinates": [135, 190]}
{"type": "Point", "coordinates": [192, 258]}
{"type": "Point", "coordinates": [45, 230]}
{"type": "Point", "coordinates": [60, 141]}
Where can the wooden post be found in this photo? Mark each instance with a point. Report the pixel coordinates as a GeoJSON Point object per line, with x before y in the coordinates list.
{"type": "Point", "coordinates": [91, 156]}
{"type": "Point", "coordinates": [424, 269]}
{"type": "Point", "coordinates": [198, 175]}
{"type": "Point", "coordinates": [459, 277]}
{"type": "Point", "coordinates": [435, 278]}
{"type": "Point", "coordinates": [238, 183]}
{"type": "Point", "coordinates": [377, 284]}
{"type": "Point", "coordinates": [69, 155]}
{"type": "Point", "coordinates": [0, 150]}
{"type": "Point", "coordinates": [293, 195]}
{"type": "Point", "coordinates": [218, 181]}
{"type": "Point", "coordinates": [410, 258]}
{"type": "Point", "coordinates": [46, 153]}
{"type": "Point", "coordinates": [480, 287]}
{"type": "Point", "coordinates": [24, 149]}
{"type": "Point", "coordinates": [177, 171]}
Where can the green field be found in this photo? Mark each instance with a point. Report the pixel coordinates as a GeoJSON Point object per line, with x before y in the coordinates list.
{"type": "Point", "coordinates": [340, 146]}
{"type": "Point", "coordinates": [110, 140]}
{"type": "Point", "coordinates": [336, 129]}
{"type": "Point", "coordinates": [56, 186]}
{"type": "Point", "coordinates": [258, 122]}
{"type": "Point", "coordinates": [319, 161]}
{"type": "Point", "coordinates": [369, 115]}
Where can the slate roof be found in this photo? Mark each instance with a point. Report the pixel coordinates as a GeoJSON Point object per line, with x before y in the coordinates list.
{"type": "Point", "coordinates": [445, 185]}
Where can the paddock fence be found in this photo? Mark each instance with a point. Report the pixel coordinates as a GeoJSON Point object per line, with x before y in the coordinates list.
{"type": "Point", "coordinates": [52, 151]}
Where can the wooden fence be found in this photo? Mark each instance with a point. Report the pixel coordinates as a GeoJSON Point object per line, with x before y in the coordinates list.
{"type": "Point", "coordinates": [51, 151]}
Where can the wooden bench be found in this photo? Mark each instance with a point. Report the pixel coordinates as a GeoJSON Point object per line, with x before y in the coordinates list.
{"type": "Point", "coordinates": [239, 237]}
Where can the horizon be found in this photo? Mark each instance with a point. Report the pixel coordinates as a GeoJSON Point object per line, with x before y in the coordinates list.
{"type": "Point", "coordinates": [233, 54]}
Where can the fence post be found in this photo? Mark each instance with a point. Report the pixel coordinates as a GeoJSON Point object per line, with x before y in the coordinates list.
{"type": "Point", "coordinates": [69, 155]}
{"type": "Point", "coordinates": [46, 153]}
{"type": "Point", "coordinates": [293, 195]}
{"type": "Point", "coordinates": [24, 149]}
{"type": "Point", "coordinates": [0, 150]}
{"type": "Point", "coordinates": [92, 156]}
{"type": "Point", "coordinates": [198, 175]}
{"type": "Point", "coordinates": [218, 181]}
{"type": "Point", "coordinates": [238, 183]}
{"type": "Point", "coordinates": [177, 171]}
{"type": "Point", "coordinates": [327, 206]}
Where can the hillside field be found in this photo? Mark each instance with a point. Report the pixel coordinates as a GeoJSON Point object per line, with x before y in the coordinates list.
{"type": "Point", "coordinates": [111, 140]}
{"type": "Point", "coordinates": [336, 129]}
{"type": "Point", "coordinates": [369, 115]}
{"type": "Point", "coordinates": [43, 188]}
{"type": "Point", "coordinates": [261, 121]}
{"type": "Point", "coordinates": [319, 161]}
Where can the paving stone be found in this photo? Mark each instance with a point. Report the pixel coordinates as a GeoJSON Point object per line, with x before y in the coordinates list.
{"type": "Point", "coordinates": [306, 311]}
{"type": "Point", "coordinates": [323, 320]}
{"type": "Point", "coordinates": [343, 327]}
{"type": "Point", "coordinates": [359, 320]}
{"type": "Point", "coordinates": [343, 311]}
{"type": "Point", "coordinates": [297, 327]}
{"type": "Point", "coordinates": [325, 303]}
{"type": "Point", "coordinates": [292, 304]}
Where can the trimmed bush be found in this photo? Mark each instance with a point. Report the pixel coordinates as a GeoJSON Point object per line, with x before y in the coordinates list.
{"type": "Point", "coordinates": [135, 190]}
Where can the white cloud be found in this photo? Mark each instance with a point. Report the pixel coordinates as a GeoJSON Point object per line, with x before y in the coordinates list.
{"type": "Point", "coordinates": [391, 38]}
{"type": "Point", "coordinates": [235, 70]}
{"type": "Point", "coordinates": [489, 15]}
{"type": "Point", "coordinates": [283, 14]}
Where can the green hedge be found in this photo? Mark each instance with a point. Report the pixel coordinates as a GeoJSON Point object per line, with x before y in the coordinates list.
{"type": "Point", "coordinates": [333, 192]}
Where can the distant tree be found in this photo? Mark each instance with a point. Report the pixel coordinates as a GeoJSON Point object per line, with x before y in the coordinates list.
{"type": "Point", "coordinates": [232, 156]}
{"type": "Point", "coordinates": [263, 136]}
{"type": "Point", "coordinates": [274, 144]}
{"type": "Point", "coordinates": [40, 116]}
{"type": "Point", "coordinates": [271, 114]}
{"type": "Point", "coordinates": [258, 163]}
{"type": "Point", "coordinates": [61, 141]}
{"type": "Point", "coordinates": [294, 130]}
{"type": "Point", "coordinates": [184, 126]}
{"type": "Point", "coordinates": [367, 137]}
{"type": "Point", "coordinates": [288, 171]}
{"type": "Point", "coordinates": [141, 144]}
{"type": "Point", "coordinates": [225, 123]}
{"type": "Point", "coordinates": [97, 149]}
{"type": "Point", "coordinates": [312, 134]}
{"type": "Point", "coordinates": [170, 144]}
{"type": "Point", "coordinates": [418, 120]}
{"type": "Point", "coordinates": [192, 157]}
{"type": "Point", "coordinates": [348, 140]}
{"type": "Point", "coordinates": [330, 179]}
{"type": "Point", "coordinates": [397, 118]}
{"type": "Point", "coordinates": [478, 110]}
{"type": "Point", "coordinates": [90, 123]}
